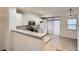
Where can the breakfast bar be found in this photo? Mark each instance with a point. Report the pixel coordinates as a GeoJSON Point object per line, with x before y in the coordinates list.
{"type": "Point", "coordinates": [28, 40]}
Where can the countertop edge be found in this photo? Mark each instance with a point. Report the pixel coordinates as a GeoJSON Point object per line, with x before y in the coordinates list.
{"type": "Point", "coordinates": [39, 35]}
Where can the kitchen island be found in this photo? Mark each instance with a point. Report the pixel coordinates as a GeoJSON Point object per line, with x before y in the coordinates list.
{"type": "Point", "coordinates": [27, 40]}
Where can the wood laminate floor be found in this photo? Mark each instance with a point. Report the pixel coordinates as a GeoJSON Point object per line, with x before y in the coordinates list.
{"type": "Point", "coordinates": [61, 44]}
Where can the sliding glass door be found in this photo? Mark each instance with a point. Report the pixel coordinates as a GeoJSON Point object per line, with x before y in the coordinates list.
{"type": "Point", "coordinates": [56, 27]}
{"type": "Point", "coordinates": [50, 27]}
{"type": "Point", "coordinates": [53, 27]}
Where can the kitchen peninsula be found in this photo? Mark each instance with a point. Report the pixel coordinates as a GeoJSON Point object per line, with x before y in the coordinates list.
{"type": "Point", "coordinates": [27, 40]}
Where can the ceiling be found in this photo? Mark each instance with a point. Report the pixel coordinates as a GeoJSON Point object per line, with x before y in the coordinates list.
{"type": "Point", "coordinates": [56, 11]}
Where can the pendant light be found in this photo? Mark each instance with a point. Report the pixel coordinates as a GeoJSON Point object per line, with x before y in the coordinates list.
{"type": "Point", "coordinates": [70, 14]}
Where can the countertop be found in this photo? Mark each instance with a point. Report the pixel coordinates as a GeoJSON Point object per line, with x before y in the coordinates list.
{"type": "Point", "coordinates": [26, 32]}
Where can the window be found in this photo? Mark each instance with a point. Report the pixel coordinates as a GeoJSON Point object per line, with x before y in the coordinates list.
{"type": "Point", "coordinates": [72, 24]}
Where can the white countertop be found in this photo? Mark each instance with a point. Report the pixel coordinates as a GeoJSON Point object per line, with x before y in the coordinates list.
{"type": "Point", "coordinates": [40, 35]}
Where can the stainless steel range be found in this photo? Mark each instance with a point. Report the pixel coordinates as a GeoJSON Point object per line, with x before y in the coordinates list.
{"type": "Point", "coordinates": [32, 27]}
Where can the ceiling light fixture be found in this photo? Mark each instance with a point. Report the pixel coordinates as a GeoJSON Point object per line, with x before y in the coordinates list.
{"type": "Point", "coordinates": [70, 13]}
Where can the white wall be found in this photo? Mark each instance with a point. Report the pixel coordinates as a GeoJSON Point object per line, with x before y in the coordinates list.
{"type": "Point", "coordinates": [3, 24]}
{"type": "Point", "coordinates": [64, 29]}
{"type": "Point", "coordinates": [6, 36]}
{"type": "Point", "coordinates": [15, 19]}
{"type": "Point", "coordinates": [12, 18]}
